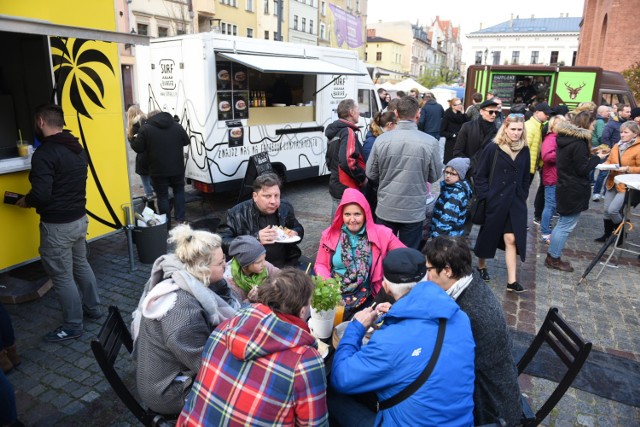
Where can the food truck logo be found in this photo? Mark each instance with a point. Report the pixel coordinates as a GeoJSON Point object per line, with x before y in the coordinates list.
{"type": "Point", "coordinates": [75, 66]}
{"type": "Point", "coordinates": [574, 91]}
{"type": "Point", "coordinates": [339, 91]}
{"type": "Point", "coordinates": [167, 82]}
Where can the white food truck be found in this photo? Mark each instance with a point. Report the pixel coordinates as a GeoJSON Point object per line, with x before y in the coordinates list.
{"type": "Point", "coordinates": [239, 97]}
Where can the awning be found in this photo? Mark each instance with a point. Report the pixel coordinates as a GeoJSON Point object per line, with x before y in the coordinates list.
{"type": "Point", "coordinates": [15, 24]}
{"type": "Point", "coordinates": [289, 64]}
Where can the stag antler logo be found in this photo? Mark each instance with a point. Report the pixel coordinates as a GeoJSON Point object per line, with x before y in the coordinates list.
{"type": "Point", "coordinates": [574, 91]}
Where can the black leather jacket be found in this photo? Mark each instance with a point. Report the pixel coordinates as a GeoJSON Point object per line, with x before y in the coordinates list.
{"type": "Point", "coordinates": [242, 219]}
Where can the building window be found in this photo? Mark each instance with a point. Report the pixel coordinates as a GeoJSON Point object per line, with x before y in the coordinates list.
{"type": "Point", "coordinates": [358, 6]}
{"type": "Point", "coordinates": [250, 33]}
{"type": "Point", "coordinates": [275, 7]}
{"type": "Point", "coordinates": [349, 4]}
{"type": "Point", "coordinates": [515, 56]}
{"type": "Point", "coordinates": [266, 35]}
{"type": "Point", "coordinates": [496, 57]}
{"type": "Point", "coordinates": [223, 27]}
{"type": "Point", "coordinates": [323, 8]}
{"type": "Point", "coordinates": [322, 31]}
{"type": "Point", "coordinates": [304, 24]}
{"type": "Point", "coordinates": [180, 32]}
{"type": "Point", "coordinates": [295, 22]}
{"type": "Point", "coordinates": [554, 57]}
{"type": "Point", "coordinates": [229, 29]}
{"type": "Point", "coordinates": [143, 29]}
{"type": "Point", "coordinates": [366, 57]}
{"type": "Point", "coordinates": [573, 59]}
{"type": "Point", "coordinates": [266, 7]}
{"type": "Point", "coordinates": [378, 56]}
{"type": "Point", "coordinates": [249, 6]}
{"type": "Point", "coordinates": [534, 56]}
{"type": "Point", "coordinates": [163, 31]}
{"type": "Point", "coordinates": [311, 26]}
{"type": "Point", "coordinates": [478, 59]}
{"type": "Point", "coordinates": [275, 36]}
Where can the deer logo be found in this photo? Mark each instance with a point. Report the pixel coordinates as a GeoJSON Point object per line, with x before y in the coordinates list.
{"type": "Point", "coordinates": [574, 91]}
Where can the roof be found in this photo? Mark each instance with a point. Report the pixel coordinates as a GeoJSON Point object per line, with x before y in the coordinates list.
{"type": "Point", "coordinates": [381, 40]}
{"type": "Point", "coordinates": [534, 25]}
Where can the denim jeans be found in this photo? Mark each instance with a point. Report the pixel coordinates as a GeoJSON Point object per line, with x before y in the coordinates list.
{"type": "Point", "coordinates": [560, 234]}
{"type": "Point", "coordinates": [146, 184]}
{"type": "Point", "coordinates": [161, 184]}
{"type": "Point", "coordinates": [549, 209]}
{"type": "Point", "coordinates": [63, 252]}
{"type": "Point", "coordinates": [602, 175]}
{"type": "Point", "coordinates": [410, 234]}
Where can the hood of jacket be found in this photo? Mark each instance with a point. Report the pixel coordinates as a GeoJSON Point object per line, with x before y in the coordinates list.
{"type": "Point", "coordinates": [66, 139]}
{"type": "Point", "coordinates": [573, 132]}
{"type": "Point", "coordinates": [162, 120]}
{"type": "Point", "coordinates": [257, 332]}
{"type": "Point", "coordinates": [349, 196]}
{"type": "Point", "coordinates": [335, 127]}
{"type": "Point", "coordinates": [412, 306]}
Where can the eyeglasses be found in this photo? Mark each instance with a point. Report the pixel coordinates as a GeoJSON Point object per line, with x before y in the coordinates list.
{"type": "Point", "coordinates": [451, 173]}
{"type": "Point", "coordinates": [492, 112]}
{"type": "Point", "coordinates": [457, 105]}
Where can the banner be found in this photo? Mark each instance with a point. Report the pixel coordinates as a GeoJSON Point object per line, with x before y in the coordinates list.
{"type": "Point", "coordinates": [348, 27]}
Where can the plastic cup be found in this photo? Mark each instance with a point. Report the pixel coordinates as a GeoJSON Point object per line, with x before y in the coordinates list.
{"type": "Point", "coordinates": [23, 148]}
{"type": "Point", "coordinates": [338, 317]}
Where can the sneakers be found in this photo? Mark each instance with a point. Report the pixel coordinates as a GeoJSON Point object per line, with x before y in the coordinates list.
{"type": "Point", "coordinates": [515, 287]}
{"type": "Point", "coordinates": [597, 197]}
{"type": "Point", "coordinates": [484, 274]}
{"type": "Point", "coordinates": [557, 264]}
{"type": "Point", "coordinates": [62, 334]}
{"type": "Point", "coordinates": [536, 221]}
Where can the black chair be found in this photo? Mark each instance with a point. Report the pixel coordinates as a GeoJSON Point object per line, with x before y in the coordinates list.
{"type": "Point", "coordinates": [569, 347]}
{"type": "Point", "coordinates": [113, 334]}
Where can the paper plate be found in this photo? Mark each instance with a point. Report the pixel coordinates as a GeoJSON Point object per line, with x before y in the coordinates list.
{"type": "Point", "coordinates": [292, 239]}
{"type": "Point", "coordinates": [279, 105]}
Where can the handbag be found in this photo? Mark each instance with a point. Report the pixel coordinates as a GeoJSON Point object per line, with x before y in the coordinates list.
{"type": "Point", "coordinates": [424, 376]}
{"type": "Point", "coordinates": [478, 208]}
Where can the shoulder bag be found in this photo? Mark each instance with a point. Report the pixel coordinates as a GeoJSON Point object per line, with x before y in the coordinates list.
{"type": "Point", "coordinates": [478, 208]}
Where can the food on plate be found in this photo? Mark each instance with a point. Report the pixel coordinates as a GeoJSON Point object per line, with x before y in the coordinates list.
{"type": "Point", "coordinates": [284, 233]}
{"type": "Point", "coordinates": [323, 348]}
{"type": "Point", "coordinates": [604, 147]}
{"type": "Point", "coordinates": [240, 104]}
{"type": "Point", "coordinates": [224, 106]}
{"type": "Point", "coordinates": [223, 75]}
{"type": "Point", "coordinates": [236, 132]}
{"type": "Point", "coordinates": [240, 76]}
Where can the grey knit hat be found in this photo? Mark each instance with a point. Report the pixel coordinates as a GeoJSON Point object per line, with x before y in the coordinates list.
{"type": "Point", "coordinates": [460, 165]}
{"type": "Point", "coordinates": [246, 250]}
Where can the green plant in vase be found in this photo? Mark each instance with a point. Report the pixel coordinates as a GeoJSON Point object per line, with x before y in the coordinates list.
{"type": "Point", "coordinates": [327, 293]}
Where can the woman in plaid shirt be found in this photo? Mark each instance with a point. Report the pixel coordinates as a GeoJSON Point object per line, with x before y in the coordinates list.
{"type": "Point", "coordinates": [262, 367]}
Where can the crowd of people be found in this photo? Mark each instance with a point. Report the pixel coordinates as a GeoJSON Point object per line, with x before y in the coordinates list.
{"type": "Point", "coordinates": [220, 332]}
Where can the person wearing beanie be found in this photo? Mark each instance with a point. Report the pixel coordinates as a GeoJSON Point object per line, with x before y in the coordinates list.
{"type": "Point", "coordinates": [404, 340]}
{"type": "Point", "coordinates": [248, 267]}
{"type": "Point", "coordinates": [450, 211]}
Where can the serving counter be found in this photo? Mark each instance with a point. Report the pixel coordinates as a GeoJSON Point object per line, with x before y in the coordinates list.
{"type": "Point", "coordinates": [275, 115]}
{"type": "Point", "coordinates": [15, 164]}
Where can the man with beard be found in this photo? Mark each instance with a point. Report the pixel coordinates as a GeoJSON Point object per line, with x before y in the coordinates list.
{"type": "Point", "coordinates": [58, 193]}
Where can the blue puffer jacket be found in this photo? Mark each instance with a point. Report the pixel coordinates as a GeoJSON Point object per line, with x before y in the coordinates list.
{"type": "Point", "coordinates": [399, 351]}
{"type": "Point", "coordinates": [450, 211]}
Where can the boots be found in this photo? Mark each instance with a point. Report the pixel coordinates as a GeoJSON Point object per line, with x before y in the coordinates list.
{"type": "Point", "coordinates": [5, 363]}
{"type": "Point", "coordinates": [557, 264]}
{"type": "Point", "coordinates": [609, 226]}
{"type": "Point", "coordinates": [12, 354]}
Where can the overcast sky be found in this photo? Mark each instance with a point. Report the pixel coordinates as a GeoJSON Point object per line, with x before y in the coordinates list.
{"type": "Point", "coordinates": [469, 13]}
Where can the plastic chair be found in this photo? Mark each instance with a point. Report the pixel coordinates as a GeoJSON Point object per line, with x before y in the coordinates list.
{"type": "Point", "coordinates": [113, 334]}
{"type": "Point", "coordinates": [569, 347]}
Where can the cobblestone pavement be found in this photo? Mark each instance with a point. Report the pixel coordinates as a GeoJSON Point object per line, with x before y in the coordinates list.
{"type": "Point", "coordinates": [61, 384]}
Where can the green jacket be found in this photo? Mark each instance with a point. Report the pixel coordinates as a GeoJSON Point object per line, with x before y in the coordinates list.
{"type": "Point", "coordinates": [597, 131]}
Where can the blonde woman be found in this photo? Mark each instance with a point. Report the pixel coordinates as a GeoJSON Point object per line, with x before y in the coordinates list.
{"type": "Point", "coordinates": [506, 194]}
{"type": "Point", "coordinates": [175, 316]}
{"type": "Point", "coordinates": [135, 119]}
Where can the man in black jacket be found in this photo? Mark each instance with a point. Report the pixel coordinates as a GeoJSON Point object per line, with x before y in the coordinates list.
{"type": "Point", "coordinates": [476, 134]}
{"type": "Point", "coordinates": [58, 193]}
{"type": "Point", "coordinates": [259, 217]}
{"type": "Point", "coordinates": [163, 140]}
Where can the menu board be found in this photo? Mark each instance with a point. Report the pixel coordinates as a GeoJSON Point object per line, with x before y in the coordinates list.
{"type": "Point", "coordinates": [503, 86]}
{"type": "Point", "coordinates": [225, 109]}
{"type": "Point", "coordinates": [224, 75]}
{"type": "Point", "coordinates": [240, 105]}
{"type": "Point", "coordinates": [239, 77]}
{"type": "Point", "coordinates": [233, 94]}
{"type": "Point", "coordinates": [236, 137]}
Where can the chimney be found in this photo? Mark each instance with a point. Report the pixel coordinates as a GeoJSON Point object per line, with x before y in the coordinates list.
{"type": "Point", "coordinates": [532, 16]}
{"type": "Point", "coordinates": [480, 26]}
{"type": "Point", "coordinates": [511, 21]}
{"type": "Point", "coordinates": [371, 32]}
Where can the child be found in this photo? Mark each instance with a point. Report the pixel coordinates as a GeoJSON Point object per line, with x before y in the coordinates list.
{"type": "Point", "coordinates": [450, 211]}
{"type": "Point", "coordinates": [248, 268]}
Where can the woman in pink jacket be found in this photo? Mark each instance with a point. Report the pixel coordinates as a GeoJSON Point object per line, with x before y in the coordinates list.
{"type": "Point", "coordinates": [549, 178]}
{"type": "Point", "coordinates": [352, 249]}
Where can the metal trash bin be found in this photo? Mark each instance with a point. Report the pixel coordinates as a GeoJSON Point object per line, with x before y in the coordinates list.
{"type": "Point", "coordinates": [151, 242]}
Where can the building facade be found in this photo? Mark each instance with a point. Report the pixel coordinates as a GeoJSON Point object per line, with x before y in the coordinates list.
{"type": "Point", "coordinates": [303, 21]}
{"type": "Point", "coordinates": [386, 56]}
{"type": "Point", "coordinates": [604, 45]}
{"type": "Point", "coordinates": [541, 41]}
{"type": "Point", "coordinates": [342, 24]}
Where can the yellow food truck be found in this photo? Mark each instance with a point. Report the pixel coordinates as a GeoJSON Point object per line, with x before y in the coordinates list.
{"type": "Point", "coordinates": [65, 53]}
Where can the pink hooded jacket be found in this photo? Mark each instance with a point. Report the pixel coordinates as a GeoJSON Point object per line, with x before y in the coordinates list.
{"type": "Point", "coordinates": [382, 240]}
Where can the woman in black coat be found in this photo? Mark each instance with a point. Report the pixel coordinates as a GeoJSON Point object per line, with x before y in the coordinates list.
{"type": "Point", "coordinates": [574, 162]}
{"type": "Point", "coordinates": [505, 225]}
{"type": "Point", "coordinates": [452, 121]}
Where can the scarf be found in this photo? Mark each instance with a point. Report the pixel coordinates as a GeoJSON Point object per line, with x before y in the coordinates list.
{"type": "Point", "coordinates": [246, 282]}
{"type": "Point", "coordinates": [157, 301]}
{"type": "Point", "coordinates": [622, 147]}
{"type": "Point", "coordinates": [355, 287]}
{"type": "Point", "coordinates": [513, 148]}
{"type": "Point", "coordinates": [458, 287]}
{"type": "Point", "coordinates": [294, 320]}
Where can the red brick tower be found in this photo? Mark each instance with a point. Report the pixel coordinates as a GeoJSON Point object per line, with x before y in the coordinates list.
{"type": "Point", "coordinates": [609, 34]}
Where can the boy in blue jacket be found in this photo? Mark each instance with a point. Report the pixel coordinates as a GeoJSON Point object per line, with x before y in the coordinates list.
{"type": "Point", "coordinates": [450, 211]}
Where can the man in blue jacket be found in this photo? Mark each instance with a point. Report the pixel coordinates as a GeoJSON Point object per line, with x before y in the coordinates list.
{"type": "Point", "coordinates": [400, 350]}
{"type": "Point", "coordinates": [431, 116]}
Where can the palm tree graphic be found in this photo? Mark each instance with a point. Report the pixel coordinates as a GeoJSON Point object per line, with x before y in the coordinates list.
{"type": "Point", "coordinates": [74, 65]}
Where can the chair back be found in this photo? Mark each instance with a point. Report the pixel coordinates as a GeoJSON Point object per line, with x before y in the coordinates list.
{"type": "Point", "coordinates": [568, 346]}
{"type": "Point", "coordinates": [112, 336]}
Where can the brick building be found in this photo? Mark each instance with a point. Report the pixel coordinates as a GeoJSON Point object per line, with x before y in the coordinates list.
{"type": "Point", "coordinates": [609, 33]}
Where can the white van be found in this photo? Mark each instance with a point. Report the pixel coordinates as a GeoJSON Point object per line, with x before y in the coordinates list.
{"type": "Point", "coordinates": [239, 97]}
